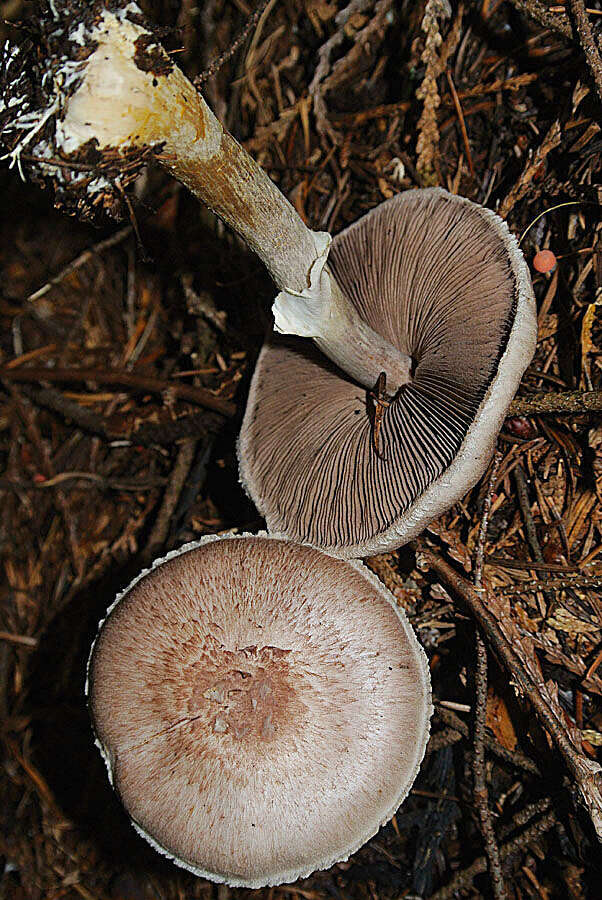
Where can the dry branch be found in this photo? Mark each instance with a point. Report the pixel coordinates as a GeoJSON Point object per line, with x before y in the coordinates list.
{"type": "Point", "coordinates": [317, 87]}
{"type": "Point", "coordinates": [507, 643]}
{"type": "Point", "coordinates": [557, 402]}
{"type": "Point", "coordinates": [550, 141]}
{"type": "Point", "coordinates": [557, 21]}
{"type": "Point", "coordinates": [480, 779]}
{"type": "Point", "coordinates": [512, 757]}
{"type": "Point", "coordinates": [198, 395]}
{"type": "Point", "coordinates": [112, 241]}
{"type": "Point", "coordinates": [587, 40]}
{"type": "Point", "coordinates": [466, 877]}
{"type": "Point", "coordinates": [174, 488]}
{"type": "Point", "coordinates": [214, 67]}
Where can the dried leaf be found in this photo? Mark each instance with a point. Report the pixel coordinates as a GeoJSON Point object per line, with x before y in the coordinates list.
{"type": "Point", "coordinates": [499, 721]}
{"type": "Point", "coordinates": [563, 620]}
{"type": "Point", "coordinates": [587, 343]}
{"type": "Point", "coordinates": [592, 737]}
{"type": "Point", "coordinates": [457, 550]}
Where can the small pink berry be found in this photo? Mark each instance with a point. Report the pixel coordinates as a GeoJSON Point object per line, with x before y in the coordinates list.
{"type": "Point", "coordinates": [544, 261]}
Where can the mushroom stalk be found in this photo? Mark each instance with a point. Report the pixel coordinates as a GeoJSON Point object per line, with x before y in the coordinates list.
{"type": "Point", "coordinates": [128, 95]}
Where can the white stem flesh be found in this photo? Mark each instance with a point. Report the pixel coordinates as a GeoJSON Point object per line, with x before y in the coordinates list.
{"type": "Point", "coordinates": [121, 106]}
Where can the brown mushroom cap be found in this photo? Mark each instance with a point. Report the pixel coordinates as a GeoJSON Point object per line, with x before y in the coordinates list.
{"type": "Point", "coordinates": [442, 279]}
{"type": "Point", "coordinates": [261, 706]}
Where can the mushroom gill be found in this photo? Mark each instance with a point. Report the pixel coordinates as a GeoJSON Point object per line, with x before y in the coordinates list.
{"type": "Point", "coordinates": [443, 280]}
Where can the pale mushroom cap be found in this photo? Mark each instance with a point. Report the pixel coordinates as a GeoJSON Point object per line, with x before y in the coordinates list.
{"type": "Point", "coordinates": [262, 707]}
{"type": "Point", "coordinates": [444, 280]}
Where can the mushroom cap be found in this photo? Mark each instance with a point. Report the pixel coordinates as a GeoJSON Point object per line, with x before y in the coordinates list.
{"type": "Point", "coordinates": [262, 707]}
{"type": "Point", "coordinates": [443, 280]}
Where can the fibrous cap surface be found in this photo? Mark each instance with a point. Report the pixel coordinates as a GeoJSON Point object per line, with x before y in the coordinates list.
{"type": "Point", "coordinates": [261, 706]}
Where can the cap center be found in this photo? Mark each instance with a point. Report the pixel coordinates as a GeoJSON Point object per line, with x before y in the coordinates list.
{"type": "Point", "coordinates": [248, 694]}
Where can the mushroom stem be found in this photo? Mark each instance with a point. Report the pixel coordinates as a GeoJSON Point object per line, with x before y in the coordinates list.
{"type": "Point", "coordinates": [128, 95]}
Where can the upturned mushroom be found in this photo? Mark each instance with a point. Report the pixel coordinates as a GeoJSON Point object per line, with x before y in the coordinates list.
{"type": "Point", "coordinates": [444, 281]}
{"type": "Point", "coordinates": [262, 707]}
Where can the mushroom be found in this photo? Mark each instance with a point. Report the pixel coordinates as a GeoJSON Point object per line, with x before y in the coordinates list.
{"type": "Point", "coordinates": [443, 280]}
{"type": "Point", "coordinates": [100, 95]}
{"type": "Point", "coordinates": [262, 707]}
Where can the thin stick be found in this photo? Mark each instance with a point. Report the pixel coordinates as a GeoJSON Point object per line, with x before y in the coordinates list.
{"type": "Point", "coordinates": [193, 424]}
{"type": "Point", "coordinates": [480, 782]}
{"type": "Point", "coordinates": [69, 409]}
{"type": "Point", "coordinates": [466, 877]}
{"type": "Point", "coordinates": [557, 402]}
{"type": "Point", "coordinates": [517, 565]}
{"type": "Point", "coordinates": [198, 395]}
{"type": "Point", "coordinates": [460, 115]}
{"type": "Point", "coordinates": [586, 774]}
{"type": "Point", "coordinates": [81, 260]}
{"type": "Point", "coordinates": [551, 140]}
{"type": "Point", "coordinates": [513, 757]}
{"type": "Point", "coordinates": [24, 640]}
{"type": "Point", "coordinates": [522, 492]}
{"type": "Point", "coordinates": [480, 554]}
{"type": "Point", "coordinates": [89, 479]}
{"type": "Point", "coordinates": [587, 41]}
{"type": "Point", "coordinates": [558, 22]}
{"type": "Point", "coordinates": [478, 768]}
{"type": "Point", "coordinates": [229, 52]}
{"type": "Point", "coordinates": [561, 584]}
{"type": "Point", "coordinates": [177, 478]}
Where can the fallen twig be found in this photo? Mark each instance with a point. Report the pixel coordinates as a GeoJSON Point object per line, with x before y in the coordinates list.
{"type": "Point", "coordinates": [586, 773]}
{"type": "Point", "coordinates": [92, 479]}
{"type": "Point", "coordinates": [118, 428]}
{"type": "Point", "coordinates": [390, 109]}
{"type": "Point", "coordinates": [466, 877]}
{"type": "Point", "coordinates": [560, 584]}
{"type": "Point", "coordinates": [522, 492]}
{"type": "Point", "coordinates": [81, 260]}
{"type": "Point", "coordinates": [316, 87]}
{"type": "Point", "coordinates": [56, 401]}
{"type": "Point", "coordinates": [587, 41]}
{"type": "Point", "coordinates": [460, 115]}
{"type": "Point", "coordinates": [229, 52]}
{"type": "Point", "coordinates": [24, 640]}
{"type": "Point", "coordinates": [198, 395]}
{"type": "Point", "coordinates": [191, 425]}
{"type": "Point", "coordinates": [442, 739]}
{"type": "Point", "coordinates": [550, 141]}
{"type": "Point", "coordinates": [480, 782]}
{"type": "Point", "coordinates": [177, 478]}
{"type": "Point", "coordinates": [558, 22]}
{"type": "Point", "coordinates": [523, 566]}
{"type": "Point", "coordinates": [557, 402]}
{"type": "Point", "coordinates": [46, 467]}
{"type": "Point", "coordinates": [513, 757]}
